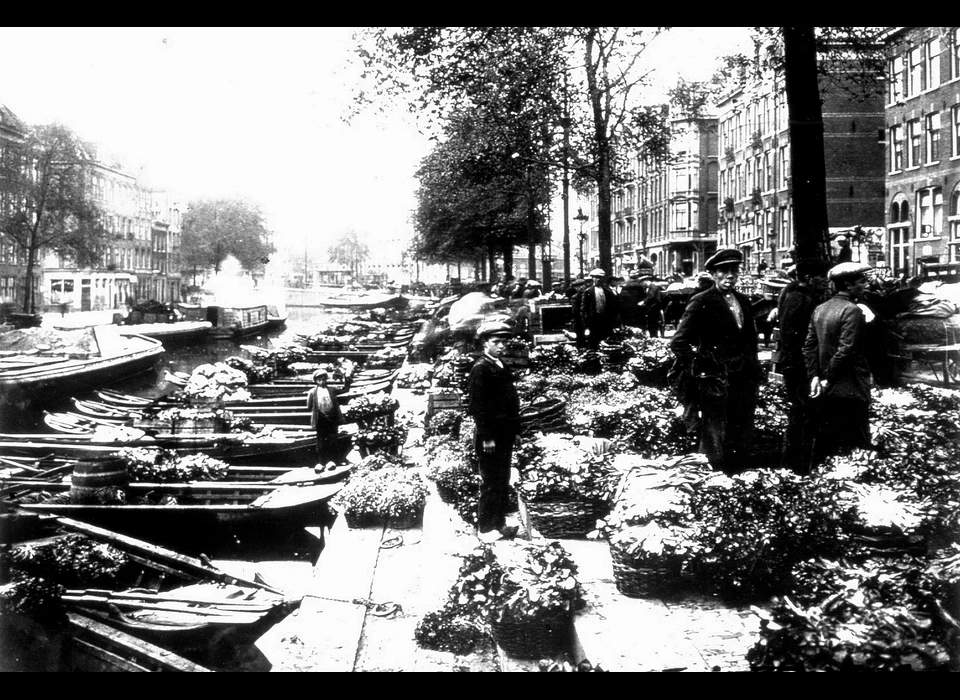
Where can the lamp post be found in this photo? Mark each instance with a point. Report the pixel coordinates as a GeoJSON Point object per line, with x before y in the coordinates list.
{"type": "Point", "coordinates": [581, 217]}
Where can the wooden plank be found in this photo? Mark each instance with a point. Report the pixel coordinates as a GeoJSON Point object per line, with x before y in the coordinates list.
{"type": "Point", "coordinates": [164, 659]}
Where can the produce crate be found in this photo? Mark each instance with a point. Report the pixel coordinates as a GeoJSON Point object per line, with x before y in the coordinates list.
{"type": "Point", "coordinates": [442, 400]}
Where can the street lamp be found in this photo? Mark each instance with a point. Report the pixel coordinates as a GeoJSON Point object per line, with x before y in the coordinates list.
{"type": "Point", "coordinates": [581, 217]}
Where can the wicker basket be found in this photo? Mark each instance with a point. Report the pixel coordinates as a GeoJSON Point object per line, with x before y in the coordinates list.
{"type": "Point", "coordinates": [566, 519]}
{"type": "Point", "coordinates": [365, 520]}
{"type": "Point", "coordinates": [651, 579]}
{"type": "Point", "coordinates": [535, 639]}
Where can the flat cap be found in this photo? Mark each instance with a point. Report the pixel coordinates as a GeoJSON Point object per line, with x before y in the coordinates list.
{"type": "Point", "coordinates": [847, 269]}
{"type": "Point", "coordinates": [727, 256]}
{"type": "Point", "coordinates": [597, 272]}
{"type": "Point", "coordinates": [320, 373]}
{"type": "Point", "coordinates": [491, 329]}
{"type": "Point", "coordinates": [533, 283]}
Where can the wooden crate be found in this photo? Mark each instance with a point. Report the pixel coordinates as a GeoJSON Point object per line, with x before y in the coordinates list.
{"type": "Point", "coordinates": [442, 400]}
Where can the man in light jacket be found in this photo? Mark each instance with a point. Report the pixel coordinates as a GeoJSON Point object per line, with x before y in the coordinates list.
{"type": "Point", "coordinates": [837, 367]}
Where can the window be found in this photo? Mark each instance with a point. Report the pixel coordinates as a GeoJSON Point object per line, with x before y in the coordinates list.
{"type": "Point", "coordinates": [954, 222]}
{"type": "Point", "coordinates": [915, 153]}
{"type": "Point", "coordinates": [933, 63]}
{"type": "Point", "coordinates": [955, 53]}
{"type": "Point", "coordinates": [767, 172]}
{"type": "Point", "coordinates": [955, 129]}
{"type": "Point", "coordinates": [915, 76]}
{"type": "Point", "coordinates": [896, 147]}
{"type": "Point", "coordinates": [895, 91]}
{"type": "Point", "coordinates": [930, 212]}
{"type": "Point", "coordinates": [933, 137]}
{"type": "Point", "coordinates": [784, 167]}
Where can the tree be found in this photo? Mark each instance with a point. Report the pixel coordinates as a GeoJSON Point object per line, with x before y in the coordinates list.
{"type": "Point", "coordinates": [48, 202]}
{"type": "Point", "coordinates": [349, 250]}
{"type": "Point", "coordinates": [476, 198]}
{"type": "Point", "coordinates": [576, 83]}
{"type": "Point", "coordinates": [215, 229]}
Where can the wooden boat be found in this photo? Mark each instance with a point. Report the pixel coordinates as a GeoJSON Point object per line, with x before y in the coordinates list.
{"type": "Point", "coordinates": [195, 518]}
{"type": "Point", "coordinates": [162, 601]}
{"type": "Point", "coordinates": [276, 316]}
{"type": "Point", "coordinates": [361, 300]}
{"type": "Point", "coordinates": [29, 381]}
{"type": "Point", "coordinates": [237, 321]}
{"type": "Point", "coordinates": [172, 333]}
{"type": "Point", "coordinates": [291, 448]}
{"type": "Point", "coordinates": [84, 645]}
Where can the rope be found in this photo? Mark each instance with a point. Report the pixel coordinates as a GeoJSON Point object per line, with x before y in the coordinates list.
{"type": "Point", "coordinates": [388, 609]}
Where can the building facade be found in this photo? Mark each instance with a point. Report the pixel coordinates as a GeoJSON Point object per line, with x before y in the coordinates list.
{"type": "Point", "coordinates": [13, 133]}
{"type": "Point", "coordinates": [756, 206]}
{"type": "Point", "coordinates": [141, 260]}
{"type": "Point", "coordinates": [922, 197]}
{"type": "Point", "coordinates": [665, 210]}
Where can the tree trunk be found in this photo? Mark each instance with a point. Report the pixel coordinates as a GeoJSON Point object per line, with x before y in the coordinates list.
{"type": "Point", "coordinates": [808, 171]}
{"type": "Point", "coordinates": [507, 259]}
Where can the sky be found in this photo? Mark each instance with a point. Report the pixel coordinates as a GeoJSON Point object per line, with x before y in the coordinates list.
{"type": "Point", "coordinates": [252, 113]}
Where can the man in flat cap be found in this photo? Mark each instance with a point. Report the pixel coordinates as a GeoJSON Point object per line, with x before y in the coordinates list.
{"type": "Point", "coordinates": [837, 367]}
{"type": "Point", "coordinates": [494, 404]}
{"type": "Point", "coordinates": [596, 311]}
{"type": "Point", "coordinates": [716, 344]}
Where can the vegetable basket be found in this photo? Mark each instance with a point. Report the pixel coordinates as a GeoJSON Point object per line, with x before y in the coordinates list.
{"type": "Point", "coordinates": [650, 578]}
{"type": "Point", "coordinates": [537, 638]}
{"type": "Point", "coordinates": [566, 519]}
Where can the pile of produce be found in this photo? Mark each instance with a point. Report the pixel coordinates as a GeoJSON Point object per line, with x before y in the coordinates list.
{"type": "Point", "coordinates": [416, 377]}
{"type": "Point", "coordinates": [158, 465]}
{"type": "Point", "coordinates": [369, 406]}
{"type": "Point", "coordinates": [211, 383]}
{"type": "Point", "coordinates": [540, 585]}
{"type": "Point", "coordinates": [881, 615]}
{"type": "Point", "coordinates": [392, 493]}
{"type": "Point", "coordinates": [555, 467]}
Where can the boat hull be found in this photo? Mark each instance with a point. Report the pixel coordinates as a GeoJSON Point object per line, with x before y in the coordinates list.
{"type": "Point", "coordinates": [24, 391]}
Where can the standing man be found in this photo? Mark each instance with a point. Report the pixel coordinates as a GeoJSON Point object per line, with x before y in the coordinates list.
{"type": "Point", "coordinates": [716, 342]}
{"type": "Point", "coordinates": [495, 408]}
{"type": "Point", "coordinates": [837, 367]}
{"type": "Point", "coordinates": [651, 307]}
{"type": "Point", "coordinates": [325, 415]}
{"type": "Point", "coordinates": [631, 294]}
{"type": "Point", "coordinates": [795, 307]}
{"type": "Point", "coordinates": [599, 310]}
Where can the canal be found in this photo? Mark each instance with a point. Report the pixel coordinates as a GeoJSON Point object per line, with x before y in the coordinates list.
{"type": "Point", "coordinates": [186, 358]}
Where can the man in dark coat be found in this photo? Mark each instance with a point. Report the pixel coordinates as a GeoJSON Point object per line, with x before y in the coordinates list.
{"type": "Point", "coordinates": [631, 294]}
{"type": "Point", "coordinates": [495, 407]}
{"type": "Point", "coordinates": [598, 309]}
{"type": "Point", "coordinates": [795, 307]}
{"type": "Point", "coordinates": [837, 367]}
{"type": "Point", "coordinates": [716, 342]}
{"type": "Point", "coordinates": [325, 416]}
{"type": "Point", "coordinates": [651, 307]}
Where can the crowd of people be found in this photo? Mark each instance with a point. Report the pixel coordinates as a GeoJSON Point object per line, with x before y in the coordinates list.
{"type": "Point", "coordinates": [716, 372]}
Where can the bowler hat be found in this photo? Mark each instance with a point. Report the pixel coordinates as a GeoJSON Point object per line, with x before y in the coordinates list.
{"type": "Point", "coordinates": [727, 256]}
{"type": "Point", "coordinates": [847, 270]}
{"type": "Point", "coordinates": [494, 329]}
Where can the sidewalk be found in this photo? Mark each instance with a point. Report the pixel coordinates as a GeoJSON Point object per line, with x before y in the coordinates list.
{"type": "Point", "coordinates": [78, 319]}
{"type": "Point", "coordinates": [361, 573]}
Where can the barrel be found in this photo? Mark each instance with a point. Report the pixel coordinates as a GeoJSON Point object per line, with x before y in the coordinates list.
{"type": "Point", "coordinates": [93, 478]}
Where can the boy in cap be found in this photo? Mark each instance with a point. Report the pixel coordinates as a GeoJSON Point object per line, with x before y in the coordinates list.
{"type": "Point", "coordinates": [836, 362]}
{"type": "Point", "coordinates": [716, 344]}
{"type": "Point", "coordinates": [495, 407]}
{"type": "Point", "coordinates": [325, 415]}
